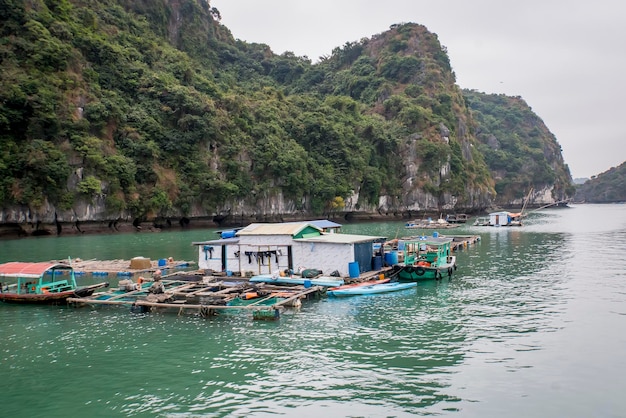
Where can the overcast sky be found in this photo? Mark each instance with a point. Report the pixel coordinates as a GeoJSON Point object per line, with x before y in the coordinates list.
{"type": "Point", "coordinates": [565, 58]}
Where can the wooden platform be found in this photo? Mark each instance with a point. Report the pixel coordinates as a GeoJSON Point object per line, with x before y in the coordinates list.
{"type": "Point", "coordinates": [123, 267]}
{"type": "Point", "coordinates": [461, 242]}
{"type": "Point", "coordinates": [205, 298]}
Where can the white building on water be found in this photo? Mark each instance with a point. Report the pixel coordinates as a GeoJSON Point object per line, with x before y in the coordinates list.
{"type": "Point", "coordinates": [265, 248]}
{"type": "Point", "coordinates": [504, 218]}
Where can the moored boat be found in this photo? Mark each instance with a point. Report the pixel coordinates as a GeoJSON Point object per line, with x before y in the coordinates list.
{"type": "Point", "coordinates": [372, 289]}
{"type": "Point", "coordinates": [317, 281]}
{"type": "Point", "coordinates": [425, 258]}
{"type": "Point", "coordinates": [42, 282]}
{"type": "Point", "coordinates": [366, 283]}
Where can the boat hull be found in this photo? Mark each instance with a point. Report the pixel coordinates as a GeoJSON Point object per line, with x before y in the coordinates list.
{"type": "Point", "coordinates": [416, 273]}
{"type": "Point", "coordinates": [372, 289]}
{"type": "Point", "coordinates": [51, 298]}
{"type": "Point", "coordinates": [319, 281]}
{"type": "Point", "coordinates": [353, 285]}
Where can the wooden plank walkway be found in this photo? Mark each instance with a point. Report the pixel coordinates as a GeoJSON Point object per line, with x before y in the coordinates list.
{"type": "Point", "coordinates": [209, 295]}
{"type": "Point", "coordinates": [461, 242]}
{"type": "Point", "coordinates": [206, 298]}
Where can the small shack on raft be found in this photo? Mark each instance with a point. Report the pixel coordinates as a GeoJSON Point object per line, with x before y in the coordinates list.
{"type": "Point", "coordinates": [505, 218]}
{"type": "Point", "coordinates": [264, 248]}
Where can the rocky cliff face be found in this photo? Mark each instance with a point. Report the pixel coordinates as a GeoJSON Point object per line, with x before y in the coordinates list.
{"type": "Point", "coordinates": [93, 217]}
{"type": "Point", "coordinates": [198, 129]}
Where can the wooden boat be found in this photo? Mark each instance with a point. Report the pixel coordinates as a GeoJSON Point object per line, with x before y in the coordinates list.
{"type": "Point", "coordinates": [367, 283]}
{"type": "Point", "coordinates": [317, 281]}
{"type": "Point", "coordinates": [43, 282]}
{"type": "Point", "coordinates": [425, 258]}
{"type": "Point", "coordinates": [372, 289]}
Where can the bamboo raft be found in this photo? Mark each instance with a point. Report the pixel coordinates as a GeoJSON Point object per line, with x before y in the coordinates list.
{"type": "Point", "coordinates": [205, 298]}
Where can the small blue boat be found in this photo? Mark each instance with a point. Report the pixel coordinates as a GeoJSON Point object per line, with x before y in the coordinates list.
{"type": "Point", "coordinates": [318, 281]}
{"type": "Point", "coordinates": [373, 289]}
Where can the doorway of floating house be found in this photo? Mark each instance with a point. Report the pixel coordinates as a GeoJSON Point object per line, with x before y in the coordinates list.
{"type": "Point", "coordinates": [224, 258]}
{"type": "Point", "coordinates": [363, 255]}
{"type": "Point", "coordinates": [289, 258]}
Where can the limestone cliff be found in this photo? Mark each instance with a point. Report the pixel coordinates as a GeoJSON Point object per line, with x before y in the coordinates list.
{"type": "Point", "coordinates": [128, 115]}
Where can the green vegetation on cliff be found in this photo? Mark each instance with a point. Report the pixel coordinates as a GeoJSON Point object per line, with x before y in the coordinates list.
{"type": "Point", "coordinates": [154, 107]}
{"type": "Point", "coordinates": [519, 149]}
{"type": "Point", "coordinates": [607, 187]}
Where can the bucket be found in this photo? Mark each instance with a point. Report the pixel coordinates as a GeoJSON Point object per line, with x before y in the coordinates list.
{"type": "Point", "coordinates": [162, 262]}
{"type": "Point", "coordinates": [377, 262]}
{"type": "Point", "coordinates": [353, 269]}
{"type": "Point", "coordinates": [229, 273]}
{"type": "Point", "coordinates": [435, 234]}
{"type": "Point", "coordinates": [391, 258]}
{"type": "Point", "coordinates": [307, 284]}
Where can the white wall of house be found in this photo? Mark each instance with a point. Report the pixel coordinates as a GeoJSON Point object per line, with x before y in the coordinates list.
{"type": "Point", "coordinates": [254, 258]}
{"type": "Point", "coordinates": [308, 255]}
{"type": "Point", "coordinates": [499, 218]}
{"type": "Point", "coordinates": [244, 258]}
{"type": "Point", "coordinates": [262, 243]}
{"type": "Point", "coordinates": [333, 256]}
{"type": "Point", "coordinates": [211, 260]}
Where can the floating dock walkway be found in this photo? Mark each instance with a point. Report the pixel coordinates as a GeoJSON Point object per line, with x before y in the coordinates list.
{"type": "Point", "coordinates": [205, 298]}
{"type": "Point", "coordinates": [460, 242]}
{"type": "Point", "coordinates": [206, 295]}
{"type": "Point", "coordinates": [131, 267]}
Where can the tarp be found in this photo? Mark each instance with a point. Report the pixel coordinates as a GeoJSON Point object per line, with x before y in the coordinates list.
{"type": "Point", "coordinates": [30, 270]}
{"type": "Point", "coordinates": [140, 263]}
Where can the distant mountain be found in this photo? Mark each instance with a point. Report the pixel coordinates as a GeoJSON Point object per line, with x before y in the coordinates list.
{"type": "Point", "coordinates": [581, 180]}
{"type": "Point", "coordinates": [607, 187]}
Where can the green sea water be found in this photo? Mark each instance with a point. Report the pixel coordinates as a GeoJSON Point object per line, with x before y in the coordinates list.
{"type": "Point", "coordinates": [532, 324]}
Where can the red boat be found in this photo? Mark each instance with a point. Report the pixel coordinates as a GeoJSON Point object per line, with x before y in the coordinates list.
{"type": "Point", "coordinates": [43, 283]}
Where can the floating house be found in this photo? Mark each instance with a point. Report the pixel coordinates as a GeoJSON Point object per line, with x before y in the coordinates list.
{"type": "Point", "coordinates": [505, 219]}
{"type": "Point", "coordinates": [265, 248]}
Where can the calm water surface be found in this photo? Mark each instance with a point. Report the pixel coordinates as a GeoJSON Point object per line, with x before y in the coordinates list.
{"type": "Point", "coordinates": [532, 324]}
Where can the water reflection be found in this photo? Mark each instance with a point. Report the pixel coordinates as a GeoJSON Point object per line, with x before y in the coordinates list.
{"type": "Point", "coordinates": [504, 337]}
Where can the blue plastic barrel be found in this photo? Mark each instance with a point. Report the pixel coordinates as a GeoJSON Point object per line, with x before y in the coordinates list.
{"type": "Point", "coordinates": [353, 269]}
{"type": "Point", "coordinates": [228, 234]}
{"type": "Point", "coordinates": [307, 284]}
{"type": "Point", "coordinates": [377, 262]}
{"type": "Point", "coordinates": [162, 262]}
{"type": "Point", "coordinates": [391, 258]}
{"type": "Point", "coordinates": [435, 234]}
